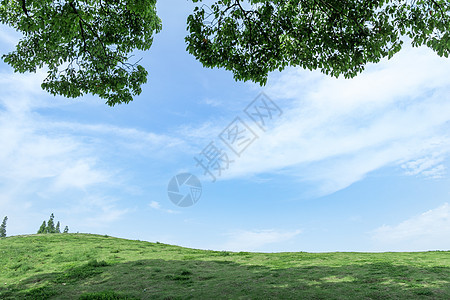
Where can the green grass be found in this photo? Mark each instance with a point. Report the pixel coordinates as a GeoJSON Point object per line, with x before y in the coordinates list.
{"type": "Point", "coordinates": [85, 266]}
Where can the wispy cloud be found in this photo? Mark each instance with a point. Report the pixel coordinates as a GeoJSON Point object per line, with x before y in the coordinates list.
{"type": "Point", "coordinates": [431, 166]}
{"type": "Point", "coordinates": [94, 211]}
{"type": "Point", "coordinates": [427, 231]}
{"type": "Point", "coordinates": [335, 131]}
{"type": "Point", "coordinates": [132, 139]}
{"type": "Point", "coordinates": [80, 175]}
{"type": "Point", "coordinates": [212, 102]}
{"type": "Point", "coordinates": [250, 240]}
{"type": "Point", "coordinates": [157, 206]}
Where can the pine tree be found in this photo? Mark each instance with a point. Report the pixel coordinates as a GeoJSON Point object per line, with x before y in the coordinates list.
{"type": "Point", "coordinates": [43, 228]}
{"type": "Point", "coordinates": [3, 228]}
{"type": "Point", "coordinates": [51, 224]}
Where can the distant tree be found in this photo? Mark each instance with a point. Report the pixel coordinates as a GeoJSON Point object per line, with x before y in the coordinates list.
{"type": "Point", "coordinates": [43, 228]}
{"type": "Point", "coordinates": [57, 229]}
{"type": "Point", "coordinates": [51, 224]}
{"type": "Point", "coordinates": [3, 227]}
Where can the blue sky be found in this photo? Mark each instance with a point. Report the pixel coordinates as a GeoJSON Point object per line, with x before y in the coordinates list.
{"type": "Point", "coordinates": [350, 165]}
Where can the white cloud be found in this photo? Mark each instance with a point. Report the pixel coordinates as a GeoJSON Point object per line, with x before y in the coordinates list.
{"type": "Point", "coordinates": [431, 166]}
{"type": "Point", "coordinates": [435, 172]}
{"type": "Point", "coordinates": [157, 206]}
{"type": "Point", "coordinates": [93, 212]}
{"type": "Point", "coordinates": [36, 147]}
{"type": "Point", "coordinates": [201, 135]}
{"type": "Point", "coordinates": [427, 231]}
{"type": "Point", "coordinates": [250, 240]}
{"type": "Point", "coordinates": [335, 131]}
{"type": "Point", "coordinates": [80, 175]}
{"type": "Point", "coordinates": [212, 102]}
{"type": "Point", "coordinates": [27, 154]}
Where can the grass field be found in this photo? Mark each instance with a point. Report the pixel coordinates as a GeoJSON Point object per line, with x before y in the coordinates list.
{"type": "Point", "coordinates": [85, 266]}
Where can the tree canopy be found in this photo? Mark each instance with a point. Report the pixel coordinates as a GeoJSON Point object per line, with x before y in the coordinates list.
{"type": "Point", "coordinates": [86, 44]}
{"type": "Point", "coordinates": [339, 37]}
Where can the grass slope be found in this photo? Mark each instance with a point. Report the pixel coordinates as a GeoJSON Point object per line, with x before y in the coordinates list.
{"type": "Point", "coordinates": [85, 266]}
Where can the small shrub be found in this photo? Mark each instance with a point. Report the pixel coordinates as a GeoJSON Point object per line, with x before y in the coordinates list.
{"type": "Point", "coordinates": [177, 277]}
{"type": "Point", "coordinates": [182, 276]}
{"type": "Point", "coordinates": [40, 293]}
{"type": "Point", "coordinates": [82, 272]}
{"type": "Point", "coordinates": [106, 295]}
{"type": "Point", "coordinates": [423, 292]}
{"type": "Point", "coordinates": [95, 264]}
{"type": "Point", "coordinates": [186, 272]}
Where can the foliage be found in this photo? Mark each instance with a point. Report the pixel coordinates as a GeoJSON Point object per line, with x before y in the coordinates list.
{"type": "Point", "coordinates": [57, 228]}
{"type": "Point", "coordinates": [3, 227]}
{"type": "Point", "coordinates": [252, 38]}
{"type": "Point", "coordinates": [85, 44]}
{"type": "Point", "coordinates": [66, 229]}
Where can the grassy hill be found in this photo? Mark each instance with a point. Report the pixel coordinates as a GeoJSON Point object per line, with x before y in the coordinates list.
{"type": "Point", "coordinates": [85, 266]}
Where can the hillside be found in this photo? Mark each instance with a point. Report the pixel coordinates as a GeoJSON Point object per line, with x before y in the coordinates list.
{"type": "Point", "coordinates": [70, 266]}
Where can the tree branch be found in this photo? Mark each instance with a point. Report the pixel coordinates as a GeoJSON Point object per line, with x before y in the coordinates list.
{"type": "Point", "coordinates": [24, 8]}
